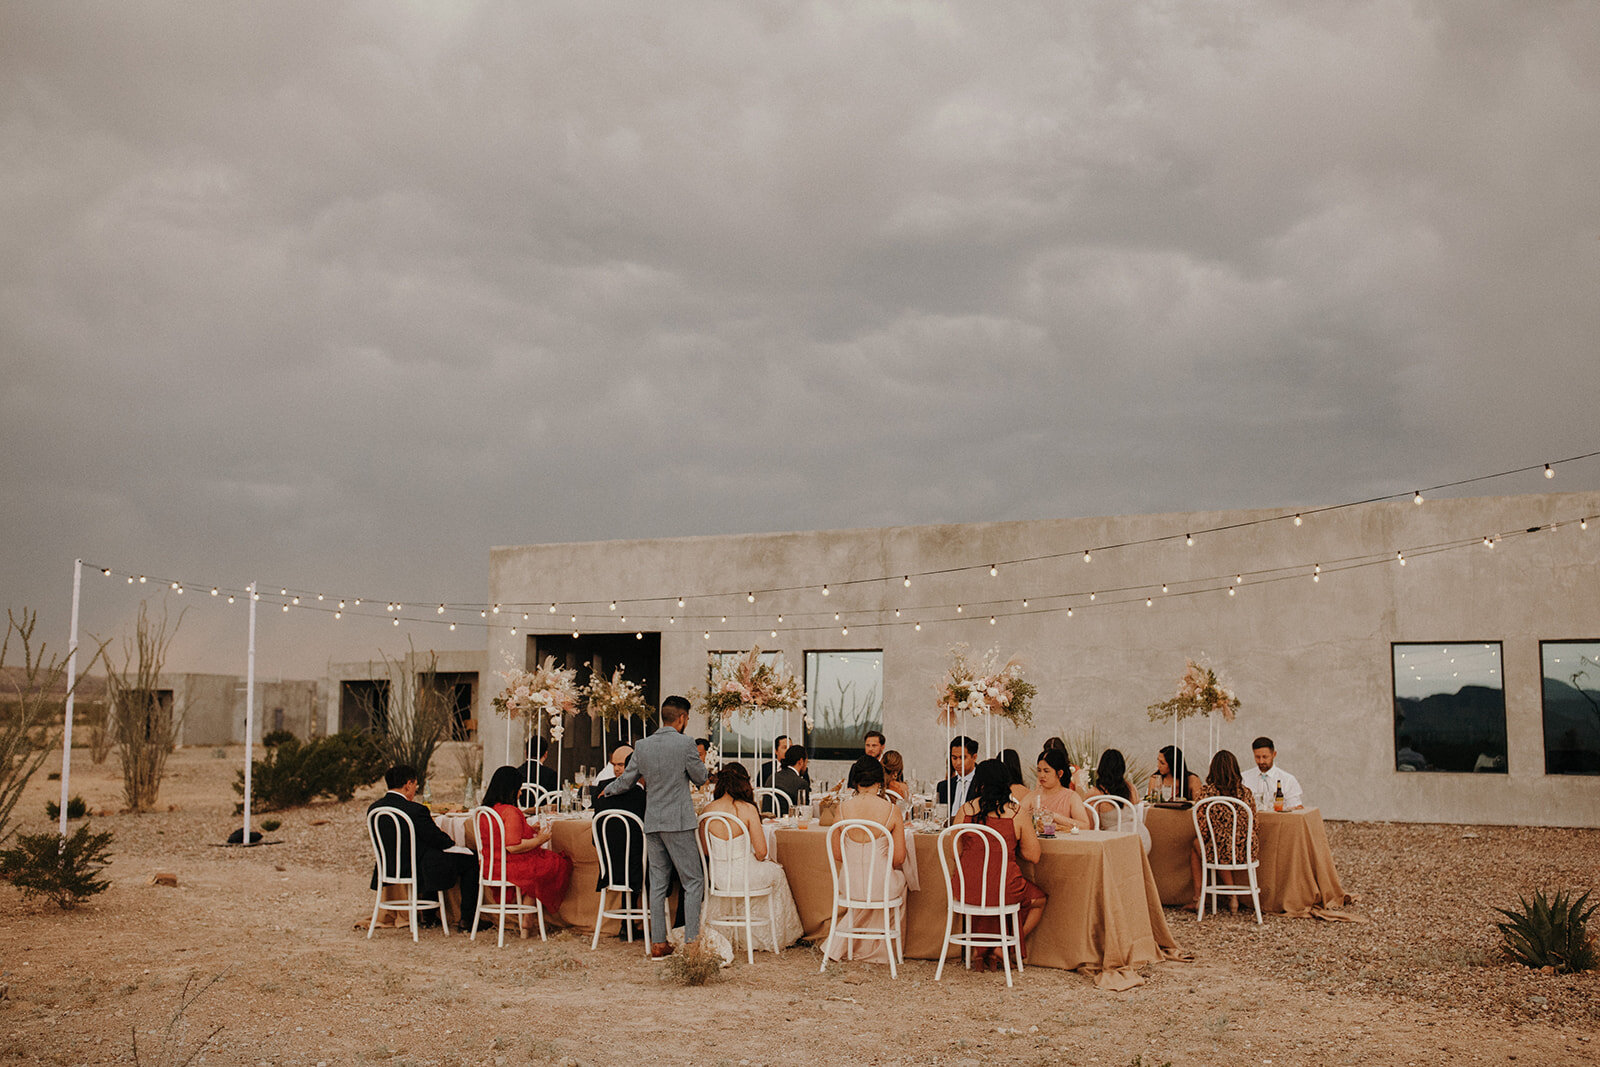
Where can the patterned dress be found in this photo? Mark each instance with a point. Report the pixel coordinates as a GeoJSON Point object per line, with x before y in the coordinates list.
{"type": "Point", "coordinates": [1215, 823]}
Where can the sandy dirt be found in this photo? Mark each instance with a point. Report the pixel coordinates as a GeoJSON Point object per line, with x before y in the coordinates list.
{"type": "Point", "coordinates": [281, 930]}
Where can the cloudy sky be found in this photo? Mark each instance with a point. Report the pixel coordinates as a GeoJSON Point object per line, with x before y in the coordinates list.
{"type": "Point", "coordinates": [341, 295]}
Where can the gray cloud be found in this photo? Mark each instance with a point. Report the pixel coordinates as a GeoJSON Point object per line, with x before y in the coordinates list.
{"type": "Point", "coordinates": [344, 296]}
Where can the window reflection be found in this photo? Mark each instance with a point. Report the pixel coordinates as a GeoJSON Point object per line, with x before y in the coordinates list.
{"type": "Point", "coordinates": [1571, 706]}
{"type": "Point", "coordinates": [844, 691]}
{"type": "Point", "coordinates": [1449, 707]}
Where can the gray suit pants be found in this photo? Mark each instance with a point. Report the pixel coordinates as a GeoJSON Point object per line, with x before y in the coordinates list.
{"type": "Point", "coordinates": [666, 851]}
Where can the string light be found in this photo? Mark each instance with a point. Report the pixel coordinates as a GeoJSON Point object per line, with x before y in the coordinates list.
{"type": "Point", "coordinates": [296, 600]}
{"type": "Point", "coordinates": [1238, 579]}
{"type": "Point", "coordinates": [497, 609]}
{"type": "Point", "coordinates": [286, 611]}
{"type": "Point", "coordinates": [358, 602]}
{"type": "Point", "coordinates": [213, 590]}
{"type": "Point", "coordinates": [836, 616]}
{"type": "Point", "coordinates": [919, 627]}
{"type": "Point", "coordinates": [319, 596]}
{"type": "Point", "coordinates": [1069, 613]}
{"type": "Point", "coordinates": [141, 579]}
{"type": "Point", "coordinates": [524, 616]}
{"type": "Point", "coordinates": [1297, 520]}
{"type": "Point", "coordinates": [574, 619]}
{"type": "Point", "coordinates": [1417, 499]}
{"type": "Point", "coordinates": [281, 592]}
{"type": "Point", "coordinates": [1188, 539]}
{"type": "Point", "coordinates": [959, 609]}
{"type": "Point", "coordinates": [908, 581]}
{"type": "Point", "coordinates": [1148, 602]}
{"type": "Point", "coordinates": [613, 605]}
{"type": "Point", "coordinates": [441, 609]}
{"type": "Point", "coordinates": [750, 598]}
{"type": "Point", "coordinates": [707, 635]}
{"type": "Point", "coordinates": [680, 602]}
{"type": "Point", "coordinates": [897, 613]}
{"type": "Point", "coordinates": [397, 622]}
{"type": "Point", "coordinates": [774, 633]}
{"type": "Point", "coordinates": [724, 618]}
{"type": "Point", "coordinates": [1401, 556]}
{"type": "Point", "coordinates": [107, 572]}
{"type": "Point", "coordinates": [780, 619]}
{"type": "Point", "coordinates": [483, 614]}
{"type": "Point", "coordinates": [824, 590]}
{"type": "Point", "coordinates": [1230, 590]}
{"type": "Point", "coordinates": [174, 585]}
{"type": "Point", "coordinates": [513, 629]}
{"type": "Point", "coordinates": [1163, 587]}
{"type": "Point", "coordinates": [1549, 471]}
{"type": "Point", "coordinates": [452, 626]}
{"type": "Point", "coordinates": [991, 620]}
{"type": "Point", "coordinates": [845, 632]}
{"type": "Point", "coordinates": [994, 570]}
{"type": "Point", "coordinates": [230, 598]}
{"type": "Point", "coordinates": [552, 607]}
{"type": "Point", "coordinates": [638, 635]}
{"type": "Point", "coordinates": [1583, 524]}
{"type": "Point", "coordinates": [671, 619]}
{"type": "Point", "coordinates": [341, 604]}
{"type": "Point", "coordinates": [1086, 556]}
{"type": "Point", "coordinates": [1091, 596]}
{"type": "Point", "coordinates": [1024, 602]}
{"type": "Point", "coordinates": [337, 614]}
{"type": "Point", "coordinates": [574, 634]}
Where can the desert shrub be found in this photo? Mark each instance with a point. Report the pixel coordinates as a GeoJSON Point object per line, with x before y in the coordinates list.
{"type": "Point", "coordinates": [1550, 932]}
{"type": "Point", "coordinates": [64, 870]}
{"type": "Point", "coordinates": [274, 738]}
{"type": "Point", "coordinates": [695, 963]}
{"type": "Point", "coordinates": [270, 825]}
{"type": "Point", "coordinates": [295, 772]}
{"type": "Point", "coordinates": [141, 714]}
{"type": "Point", "coordinates": [77, 808]}
{"type": "Point", "coordinates": [417, 713]}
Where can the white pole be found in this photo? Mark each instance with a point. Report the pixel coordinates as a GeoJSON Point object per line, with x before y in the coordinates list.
{"type": "Point", "coordinates": [249, 710]}
{"type": "Point", "coordinates": [72, 684]}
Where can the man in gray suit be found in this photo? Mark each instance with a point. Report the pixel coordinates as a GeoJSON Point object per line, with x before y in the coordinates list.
{"type": "Point", "coordinates": [668, 763]}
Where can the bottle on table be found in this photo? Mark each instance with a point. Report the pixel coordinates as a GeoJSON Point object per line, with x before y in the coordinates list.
{"type": "Point", "coordinates": [1277, 798]}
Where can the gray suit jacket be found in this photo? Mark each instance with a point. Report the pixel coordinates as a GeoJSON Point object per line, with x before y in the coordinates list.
{"type": "Point", "coordinates": [668, 762]}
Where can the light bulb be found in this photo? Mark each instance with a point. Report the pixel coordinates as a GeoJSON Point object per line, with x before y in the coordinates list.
{"type": "Point", "coordinates": [780, 618]}
{"type": "Point", "coordinates": [230, 598]}
{"type": "Point", "coordinates": [1163, 587]}
{"type": "Point", "coordinates": [453, 626]}
{"type": "Point", "coordinates": [130, 579]}
{"type": "Point", "coordinates": [1069, 613]}
{"type": "Point", "coordinates": [341, 605]}
{"type": "Point", "coordinates": [483, 614]}
{"type": "Point", "coordinates": [1024, 603]}
{"type": "Point", "coordinates": [613, 605]}
{"type": "Point", "coordinates": [836, 616]}
{"type": "Point", "coordinates": [106, 571]}
{"type": "Point", "coordinates": [919, 627]}
{"type": "Point", "coordinates": [624, 619]}
{"type": "Point", "coordinates": [750, 598]}
{"type": "Point", "coordinates": [286, 608]}
{"type": "Point", "coordinates": [1086, 556]}
{"type": "Point", "coordinates": [574, 633]}
{"type": "Point", "coordinates": [141, 579]}
{"type": "Point", "coordinates": [1316, 568]}
{"type": "Point", "coordinates": [552, 607]}
{"type": "Point", "coordinates": [991, 620]}
{"type": "Point", "coordinates": [897, 613]}
{"type": "Point", "coordinates": [320, 596]}
{"type": "Point", "coordinates": [297, 601]}
{"type": "Point", "coordinates": [281, 592]}
{"type": "Point", "coordinates": [671, 619]}
{"type": "Point", "coordinates": [441, 609]}
{"type": "Point", "coordinates": [573, 619]}
{"type": "Point", "coordinates": [1417, 499]}
{"type": "Point", "coordinates": [774, 633]}
{"type": "Point", "coordinates": [1091, 596]}
{"type": "Point", "coordinates": [824, 590]}
{"type": "Point", "coordinates": [707, 635]}
{"type": "Point", "coordinates": [214, 591]}
{"type": "Point", "coordinates": [180, 590]}
{"type": "Point", "coordinates": [680, 602]}
{"type": "Point", "coordinates": [358, 602]}
{"type": "Point", "coordinates": [638, 635]}
{"type": "Point", "coordinates": [524, 616]}
{"type": "Point", "coordinates": [1230, 590]}
{"type": "Point", "coordinates": [513, 629]}
{"type": "Point", "coordinates": [1188, 539]}
{"type": "Point", "coordinates": [338, 614]}
{"type": "Point", "coordinates": [1583, 524]}
{"type": "Point", "coordinates": [724, 618]}
{"type": "Point", "coordinates": [1297, 520]}
{"type": "Point", "coordinates": [397, 622]}
{"type": "Point", "coordinates": [959, 609]}
{"type": "Point", "coordinates": [993, 570]}
{"type": "Point", "coordinates": [908, 581]}
{"type": "Point", "coordinates": [1549, 472]}
{"type": "Point", "coordinates": [1148, 601]}
{"type": "Point", "coordinates": [174, 585]}
{"type": "Point", "coordinates": [845, 632]}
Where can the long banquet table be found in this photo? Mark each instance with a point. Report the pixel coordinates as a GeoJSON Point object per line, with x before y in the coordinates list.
{"type": "Point", "coordinates": [1103, 918]}
{"type": "Point", "coordinates": [1297, 875]}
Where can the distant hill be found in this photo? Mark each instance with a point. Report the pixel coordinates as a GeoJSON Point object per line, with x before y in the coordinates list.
{"type": "Point", "coordinates": [12, 679]}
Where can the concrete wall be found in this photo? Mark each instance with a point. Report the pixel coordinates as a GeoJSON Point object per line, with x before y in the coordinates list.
{"type": "Point", "coordinates": [210, 708]}
{"type": "Point", "coordinates": [1310, 661]}
{"type": "Point", "coordinates": [451, 661]}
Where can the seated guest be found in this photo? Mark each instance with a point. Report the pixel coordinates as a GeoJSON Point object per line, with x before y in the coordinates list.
{"type": "Point", "coordinates": [894, 775]}
{"type": "Point", "coordinates": [1013, 765]}
{"type": "Point", "coordinates": [867, 867]}
{"type": "Point", "coordinates": [1054, 742]}
{"type": "Point", "coordinates": [743, 855]}
{"type": "Point", "coordinates": [1111, 779]}
{"type": "Point", "coordinates": [1224, 780]}
{"type": "Point", "coordinates": [1055, 795]}
{"type": "Point", "coordinates": [437, 868]}
{"type": "Point", "coordinates": [780, 745]}
{"type": "Point", "coordinates": [539, 770]}
{"type": "Point", "coordinates": [963, 761]}
{"type": "Point", "coordinates": [537, 871]}
{"type": "Point", "coordinates": [613, 769]}
{"type": "Point", "coordinates": [702, 745]}
{"type": "Point", "coordinates": [991, 805]}
{"type": "Point", "coordinates": [1266, 777]}
{"type": "Point", "coordinates": [872, 744]}
{"type": "Point", "coordinates": [791, 778]}
{"type": "Point", "coordinates": [1174, 780]}
{"type": "Point", "coordinates": [623, 838]}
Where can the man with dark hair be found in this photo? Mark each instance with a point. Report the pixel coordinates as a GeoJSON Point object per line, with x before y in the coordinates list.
{"type": "Point", "coordinates": [792, 778]}
{"type": "Point", "coordinates": [873, 744]}
{"type": "Point", "coordinates": [540, 770]}
{"type": "Point", "coordinates": [780, 745]}
{"type": "Point", "coordinates": [1266, 779]}
{"type": "Point", "coordinates": [669, 765]}
{"type": "Point", "coordinates": [702, 746]}
{"type": "Point", "coordinates": [963, 761]}
{"type": "Point", "coordinates": [441, 865]}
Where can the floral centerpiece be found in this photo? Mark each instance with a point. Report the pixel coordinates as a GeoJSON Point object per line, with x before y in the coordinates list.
{"type": "Point", "coordinates": [547, 690]}
{"type": "Point", "coordinates": [1199, 693]}
{"type": "Point", "coordinates": [747, 685]}
{"type": "Point", "coordinates": [985, 687]}
{"type": "Point", "coordinates": [615, 698]}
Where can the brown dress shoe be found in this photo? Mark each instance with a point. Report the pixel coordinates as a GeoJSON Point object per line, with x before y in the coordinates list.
{"type": "Point", "coordinates": [660, 950]}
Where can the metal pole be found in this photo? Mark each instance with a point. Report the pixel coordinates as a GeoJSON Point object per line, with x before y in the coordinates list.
{"type": "Point", "coordinates": [249, 710]}
{"type": "Point", "coordinates": [72, 685]}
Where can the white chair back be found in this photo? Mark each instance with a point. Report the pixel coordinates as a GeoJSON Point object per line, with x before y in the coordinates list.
{"type": "Point", "coordinates": [394, 850]}
{"type": "Point", "coordinates": [490, 829]}
{"type": "Point", "coordinates": [617, 834]}
{"type": "Point", "coordinates": [772, 801]}
{"type": "Point", "coordinates": [990, 860]}
{"type": "Point", "coordinates": [862, 874]}
{"type": "Point", "coordinates": [725, 862]}
{"type": "Point", "coordinates": [1222, 818]}
{"type": "Point", "coordinates": [533, 796]}
{"type": "Point", "coordinates": [1113, 813]}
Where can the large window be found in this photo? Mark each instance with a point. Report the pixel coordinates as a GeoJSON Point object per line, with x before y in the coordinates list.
{"type": "Point", "coordinates": [1449, 707]}
{"type": "Point", "coordinates": [746, 738]}
{"type": "Point", "coordinates": [844, 691]}
{"type": "Point", "coordinates": [1571, 706]}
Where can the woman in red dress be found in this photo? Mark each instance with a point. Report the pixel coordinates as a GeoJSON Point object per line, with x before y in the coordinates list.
{"type": "Point", "coordinates": [538, 871]}
{"type": "Point", "coordinates": [993, 806]}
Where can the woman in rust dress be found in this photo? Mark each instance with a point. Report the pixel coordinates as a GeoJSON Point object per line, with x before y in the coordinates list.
{"type": "Point", "coordinates": [538, 871]}
{"type": "Point", "coordinates": [992, 805]}
{"type": "Point", "coordinates": [1224, 780]}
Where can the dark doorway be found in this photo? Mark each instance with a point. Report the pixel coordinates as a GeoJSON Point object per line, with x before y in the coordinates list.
{"type": "Point", "coordinates": [459, 689]}
{"type": "Point", "coordinates": [588, 744]}
{"type": "Point", "coordinates": [364, 705]}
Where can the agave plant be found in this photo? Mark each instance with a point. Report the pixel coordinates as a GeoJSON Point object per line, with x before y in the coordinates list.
{"type": "Point", "coordinates": [1550, 932]}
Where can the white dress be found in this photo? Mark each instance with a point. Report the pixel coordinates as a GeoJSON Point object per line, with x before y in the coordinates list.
{"type": "Point", "coordinates": [730, 863]}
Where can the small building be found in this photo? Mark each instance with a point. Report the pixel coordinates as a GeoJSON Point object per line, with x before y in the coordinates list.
{"type": "Point", "coordinates": [209, 709]}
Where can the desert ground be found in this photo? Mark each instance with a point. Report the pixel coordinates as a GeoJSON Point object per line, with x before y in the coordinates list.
{"type": "Point", "coordinates": [270, 944]}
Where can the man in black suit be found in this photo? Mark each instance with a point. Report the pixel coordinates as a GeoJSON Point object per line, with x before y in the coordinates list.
{"type": "Point", "coordinates": [539, 770]}
{"type": "Point", "coordinates": [963, 760]}
{"type": "Point", "coordinates": [792, 778]}
{"type": "Point", "coordinates": [621, 838]}
{"type": "Point", "coordinates": [437, 869]}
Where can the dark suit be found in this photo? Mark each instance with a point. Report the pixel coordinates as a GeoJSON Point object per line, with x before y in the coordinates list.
{"type": "Point", "coordinates": [791, 783]}
{"type": "Point", "coordinates": [947, 785]}
{"type": "Point", "coordinates": [437, 870]}
{"type": "Point", "coordinates": [534, 771]}
{"type": "Point", "coordinates": [617, 834]}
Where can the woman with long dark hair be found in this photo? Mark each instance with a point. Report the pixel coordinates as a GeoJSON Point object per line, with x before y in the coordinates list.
{"type": "Point", "coordinates": [1055, 793]}
{"type": "Point", "coordinates": [538, 871]}
{"type": "Point", "coordinates": [1224, 780]}
{"type": "Point", "coordinates": [991, 804]}
{"type": "Point", "coordinates": [734, 856]}
{"type": "Point", "coordinates": [1013, 764]}
{"type": "Point", "coordinates": [1111, 777]}
{"type": "Point", "coordinates": [1174, 779]}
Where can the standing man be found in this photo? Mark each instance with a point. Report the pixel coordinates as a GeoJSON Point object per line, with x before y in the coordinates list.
{"type": "Point", "coordinates": [873, 744]}
{"type": "Point", "coordinates": [1267, 777]}
{"type": "Point", "coordinates": [670, 766]}
{"type": "Point", "coordinates": [963, 761]}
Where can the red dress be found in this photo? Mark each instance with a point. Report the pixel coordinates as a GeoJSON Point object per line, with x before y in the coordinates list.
{"type": "Point", "coordinates": [539, 872]}
{"type": "Point", "coordinates": [1018, 889]}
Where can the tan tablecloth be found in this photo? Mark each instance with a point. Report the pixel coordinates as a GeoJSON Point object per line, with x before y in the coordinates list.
{"type": "Point", "coordinates": [1297, 874]}
{"type": "Point", "coordinates": [1103, 918]}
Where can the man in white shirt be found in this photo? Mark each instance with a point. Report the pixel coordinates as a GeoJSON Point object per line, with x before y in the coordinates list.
{"type": "Point", "coordinates": [1267, 777]}
{"type": "Point", "coordinates": [963, 761]}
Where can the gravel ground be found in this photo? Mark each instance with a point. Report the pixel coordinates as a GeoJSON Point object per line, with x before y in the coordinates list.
{"type": "Point", "coordinates": [297, 982]}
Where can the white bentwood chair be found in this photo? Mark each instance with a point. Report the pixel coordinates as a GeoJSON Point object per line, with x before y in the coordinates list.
{"type": "Point", "coordinates": [991, 900]}
{"type": "Point", "coordinates": [728, 876]}
{"type": "Point", "coordinates": [391, 827]}
{"type": "Point", "coordinates": [771, 801]}
{"type": "Point", "coordinates": [531, 796]}
{"type": "Point", "coordinates": [1122, 815]}
{"type": "Point", "coordinates": [1222, 816]}
{"type": "Point", "coordinates": [868, 848]}
{"type": "Point", "coordinates": [491, 831]}
{"type": "Point", "coordinates": [614, 867]}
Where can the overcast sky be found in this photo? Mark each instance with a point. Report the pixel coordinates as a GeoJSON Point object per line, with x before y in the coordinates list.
{"type": "Point", "coordinates": [340, 295]}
